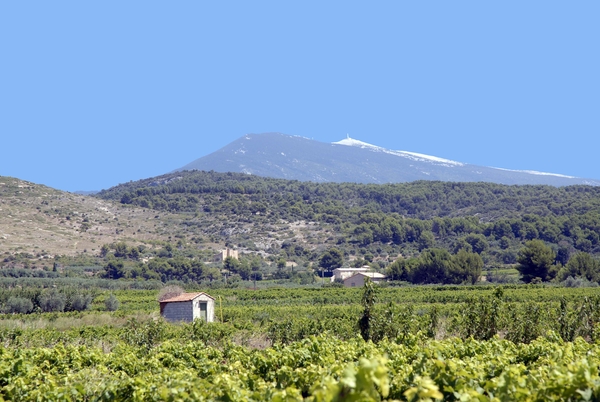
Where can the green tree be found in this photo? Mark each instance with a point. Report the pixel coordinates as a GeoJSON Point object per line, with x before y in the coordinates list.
{"type": "Point", "coordinates": [369, 299]}
{"type": "Point", "coordinates": [114, 270]}
{"type": "Point", "coordinates": [231, 264]}
{"type": "Point", "coordinates": [121, 250]}
{"type": "Point", "coordinates": [105, 249]}
{"type": "Point", "coordinates": [478, 242]}
{"type": "Point", "coordinates": [255, 264]}
{"type": "Point", "coordinates": [535, 261]}
{"type": "Point", "coordinates": [502, 228]}
{"type": "Point", "coordinates": [244, 270]}
{"type": "Point", "coordinates": [434, 266]}
{"type": "Point", "coordinates": [466, 268]}
{"type": "Point", "coordinates": [331, 259]}
{"type": "Point", "coordinates": [211, 273]}
{"type": "Point", "coordinates": [563, 254]}
{"type": "Point", "coordinates": [402, 268]}
{"type": "Point", "coordinates": [134, 253]}
{"type": "Point", "coordinates": [426, 240]}
{"type": "Point", "coordinates": [582, 265]}
{"type": "Point", "coordinates": [461, 244]}
{"type": "Point", "coordinates": [583, 244]}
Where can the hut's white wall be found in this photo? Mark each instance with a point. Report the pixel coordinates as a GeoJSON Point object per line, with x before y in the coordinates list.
{"type": "Point", "coordinates": [210, 307]}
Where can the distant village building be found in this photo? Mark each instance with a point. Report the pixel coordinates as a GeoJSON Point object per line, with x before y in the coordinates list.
{"type": "Point", "coordinates": [358, 279]}
{"type": "Point", "coordinates": [188, 307]}
{"type": "Point", "coordinates": [342, 273]}
{"type": "Point", "coordinates": [223, 254]}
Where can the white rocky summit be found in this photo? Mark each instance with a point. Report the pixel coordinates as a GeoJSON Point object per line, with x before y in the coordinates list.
{"type": "Point", "coordinates": [405, 154]}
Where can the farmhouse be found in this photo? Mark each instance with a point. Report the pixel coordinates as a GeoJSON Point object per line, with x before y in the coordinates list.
{"type": "Point", "coordinates": [343, 273]}
{"type": "Point", "coordinates": [358, 279]}
{"type": "Point", "coordinates": [188, 307]}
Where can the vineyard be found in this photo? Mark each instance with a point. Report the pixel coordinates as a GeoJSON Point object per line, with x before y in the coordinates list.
{"type": "Point", "coordinates": [521, 342]}
{"type": "Point", "coordinates": [317, 369]}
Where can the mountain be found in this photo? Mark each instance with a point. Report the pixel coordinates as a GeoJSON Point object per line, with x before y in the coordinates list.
{"type": "Point", "coordinates": [297, 158]}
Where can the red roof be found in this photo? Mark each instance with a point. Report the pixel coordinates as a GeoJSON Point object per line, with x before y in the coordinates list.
{"type": "Point", "coordinates": [185, 297]}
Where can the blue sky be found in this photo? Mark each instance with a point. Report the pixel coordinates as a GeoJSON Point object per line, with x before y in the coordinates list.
{"type": "Point", "coordinates": [93, 94]}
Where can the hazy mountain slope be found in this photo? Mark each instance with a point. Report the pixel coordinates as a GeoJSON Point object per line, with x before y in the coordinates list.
{"type": "Point", "coordinates": [291, 157]}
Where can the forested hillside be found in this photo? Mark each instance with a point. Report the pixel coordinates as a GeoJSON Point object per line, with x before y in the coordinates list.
{"type": "Point", "coordinates": [376, 222]}
{"type": "Point", "coordinates": [239, 193]}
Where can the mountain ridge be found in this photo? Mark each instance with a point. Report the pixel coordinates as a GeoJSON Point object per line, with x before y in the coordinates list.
{"type": "Point", "coordinates": [349, 160]}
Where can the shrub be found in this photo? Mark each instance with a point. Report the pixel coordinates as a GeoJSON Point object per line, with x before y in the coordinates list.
{"type": "Point", "coordinates": [18, 305]}
{"type": "Point", "coordinates": [81, 302]}
{"type": "Point", "coordinates": [169, 291]}
{"type": "Point", "coordinates": [144, 333]}
{"type": "Point", "coordinates": [578, 282]}
{"type": "Point", "coordinates": [52, 302]}
{"type": "Point", "coordinates": [112, 303]}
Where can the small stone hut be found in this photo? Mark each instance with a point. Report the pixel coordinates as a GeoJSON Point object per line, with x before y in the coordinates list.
{"type": "Point", "coordinates": [188, 307]}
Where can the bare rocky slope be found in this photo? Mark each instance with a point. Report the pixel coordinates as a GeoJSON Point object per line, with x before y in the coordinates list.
{"type": "Point", "coordinates": [44, 222]}
{"type": "Point", "coordinates": [41, 222]}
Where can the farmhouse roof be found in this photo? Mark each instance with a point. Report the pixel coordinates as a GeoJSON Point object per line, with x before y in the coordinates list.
{"type": "Point", "coordinates": [372, 275]}
{"type": "Point", "coordinates": [185, 297]}
{"type": "Point", "coordinates": [364, 268]}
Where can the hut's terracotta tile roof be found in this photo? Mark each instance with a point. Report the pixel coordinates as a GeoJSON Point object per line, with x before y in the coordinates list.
{"type": "Point", "coordinates": [185, 297]}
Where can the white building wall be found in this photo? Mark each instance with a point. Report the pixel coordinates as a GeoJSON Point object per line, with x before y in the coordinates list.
{"type": "Point", "coordinates": [356, 281]}
{"type": "Point", "coordinates": [343, 273]}
{"type": "Point", "coordinates": [210, 308]}
{"type": "Point", "coordinates": [210, 312]}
